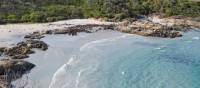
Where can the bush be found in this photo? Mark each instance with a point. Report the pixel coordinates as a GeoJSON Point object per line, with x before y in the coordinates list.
{"type": "Point", "coordinates": [37, 17]}
{"type": "Point", "coordinates": [26, 18]}
{"type": "Point", "coordinates": [53, 10]}
{"type": "Point", "coordinates": [12, 18]}
{"type": "Point", "coordinates": [51, 19]}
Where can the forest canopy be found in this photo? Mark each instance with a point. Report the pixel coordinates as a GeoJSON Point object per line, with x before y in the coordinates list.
{"type": "Point", "coordinates": [12, 11]}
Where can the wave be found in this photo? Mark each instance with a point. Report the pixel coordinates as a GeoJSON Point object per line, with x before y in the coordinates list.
{"type": "Point", "coordinates": [93, 43]}
{"type": "Point", "coordinates": [68, 75]}
{"type": "Point", "coordinates": [79, 75]}
{"type": "Point", "coordinates": [60, 73]}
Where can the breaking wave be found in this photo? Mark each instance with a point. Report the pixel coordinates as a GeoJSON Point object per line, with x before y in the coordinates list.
{"type": "Point", "coordinates": [68, 75]}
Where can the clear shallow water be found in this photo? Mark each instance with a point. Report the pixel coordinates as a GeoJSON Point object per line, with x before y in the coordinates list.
{"type": "Point", "coordinates": [117, 60]}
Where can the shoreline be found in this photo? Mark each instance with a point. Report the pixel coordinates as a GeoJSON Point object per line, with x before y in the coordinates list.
{"type": "Point", "coordinates": [31, 41]}
{"type": "Point", "coordinates": [32, 38]}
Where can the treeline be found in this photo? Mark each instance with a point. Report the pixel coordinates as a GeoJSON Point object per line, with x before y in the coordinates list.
{"type": "Point", "coordinates": [52, 10]}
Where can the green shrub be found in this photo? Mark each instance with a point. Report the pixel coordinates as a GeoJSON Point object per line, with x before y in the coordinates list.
{"type": "Point", "coordinates": [53, 10]}
{"type": "Point", "coordinates": [38, 17]}
{"type": "Point", "coordinates": [12, 18]}
{"type": "Point", "coordinates": [26, 18]}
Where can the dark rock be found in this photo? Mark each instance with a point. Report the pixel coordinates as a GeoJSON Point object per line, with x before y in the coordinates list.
{"type": "Point", "coordinates": [49, 32]}
{"type": "Point", "coordinates": [150, 29]}
{"type": "Point", "coordinates": [23, 49]}
{"type": "Point", "coordinates": [34, 35]}
{"type": "Point", "coordinates": [11, 69]}
{"type": "Point", "coordinates": [74, 30]}
{"type": "Point", "coordinates": [165, 34]}
{"type": "Point", "coordinates": [14, 66]}
{"type": "Point", "coordinates": [19, 56]}
{"type": "Point", "coordinates": [2, 49]}
{"type": "Point", "coordinates": [37, 44]}
{"type": "Point", "coordinates": [33, 44]}
{"type": "Point", "coordinates": [17, 50]}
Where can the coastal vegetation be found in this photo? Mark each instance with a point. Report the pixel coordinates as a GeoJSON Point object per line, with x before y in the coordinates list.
{"type": "Point", "coordinates": [12, 11]}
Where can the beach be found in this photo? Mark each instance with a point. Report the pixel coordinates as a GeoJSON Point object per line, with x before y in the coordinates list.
{"type": "Point", "coordinates": [107, 58]}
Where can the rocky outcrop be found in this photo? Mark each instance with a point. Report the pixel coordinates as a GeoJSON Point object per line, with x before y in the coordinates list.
{"type": "Point", "coordinates": [34, 44]}
{"type": "Point", "coordinates": [34, 35]}
{"type": "Point", "coordinates": [17, 50]}
{"type": "Point", "coordinates": [80, 28]}
{"type": "Point", "coordinates": [177, 21]}
{"type": "Point", "coordinates": [23, 49]}
{"type": "Point", "coordinates": [146, 28]}
{"type": "Point", "coordinates": [14, 66]}
{"type": "Point", "coordinates": [11, 70]}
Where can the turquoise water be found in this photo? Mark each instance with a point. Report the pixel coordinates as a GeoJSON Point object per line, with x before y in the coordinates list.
{"type": "Point", "coordinates": [110, 59]}
{"type": "Point", "coordinates": [131, 61]}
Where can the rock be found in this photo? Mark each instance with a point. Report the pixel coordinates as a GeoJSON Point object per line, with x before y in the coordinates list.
{"type": "Point", "coordinates": [80, 28]}
{"type": "Point", "coordinates": [60, 31]}
{"type": "Point", "coordinates": [14, 66]}
{"type": "Point", "coordinates": [23, 49]}
{"type": "Point", "coordinates": [20, 56]}
{"type": "Point", "coordinates": [37, 44]}
{"type": "Point", "coordinates": [165, 34]}
{"type": "Point", "coordinates": [34, 35]}
{"type": "Point", "coordinates": [48, 32]}
{"type": "Point", "coordinates": [2, 49]}
{"type": "Point", "coordinates": [11, 70]}
{"type": "Point", "coordinates": [33, 44]}
{"type": "Point", "coordinates": [17, 50]}
{"type": "Point", "coordinates": [150, 29]}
